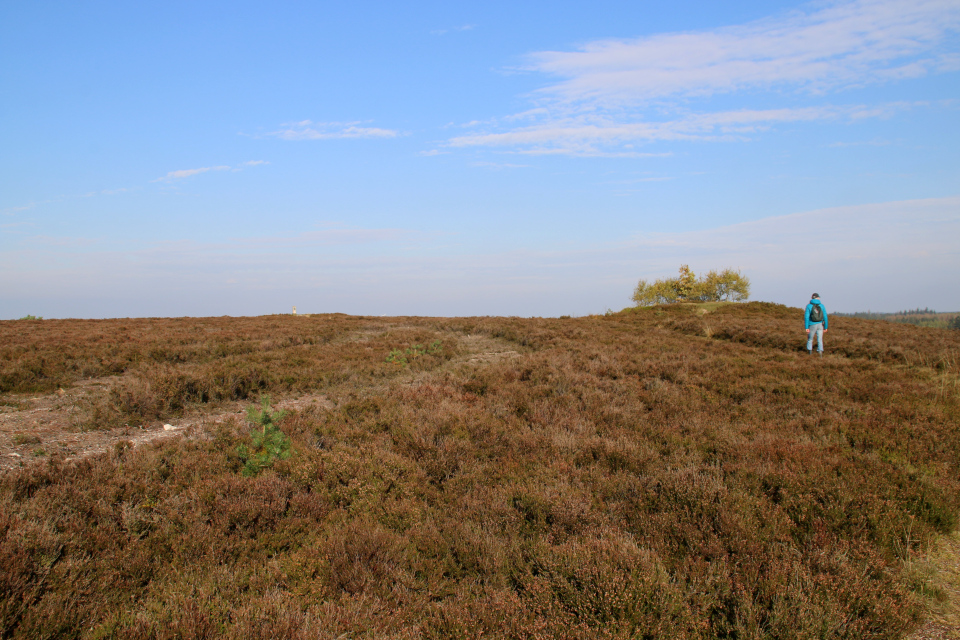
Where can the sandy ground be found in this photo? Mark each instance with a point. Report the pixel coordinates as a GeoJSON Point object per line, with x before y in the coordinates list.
{"type": "Point", "coordinates": [34, 427]}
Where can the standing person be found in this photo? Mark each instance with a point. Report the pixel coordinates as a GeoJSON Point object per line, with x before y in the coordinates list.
{"type": "Point", "coordinates": [815, 319]}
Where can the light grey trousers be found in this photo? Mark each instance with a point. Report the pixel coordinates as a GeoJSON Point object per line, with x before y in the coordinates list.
{"type": "Point", "coordinates": [816, 329]}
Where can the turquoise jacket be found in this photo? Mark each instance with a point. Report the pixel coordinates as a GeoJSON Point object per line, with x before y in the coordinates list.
{"type": "Point", "coordinates": [806, 313]}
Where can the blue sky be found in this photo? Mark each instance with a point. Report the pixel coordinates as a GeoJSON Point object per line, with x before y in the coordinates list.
{"type": "Point", "coordinates": [428, 158]}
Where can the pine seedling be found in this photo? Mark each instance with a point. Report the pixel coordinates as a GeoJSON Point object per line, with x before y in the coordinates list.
{"type": "Point", "coordinates": [403, 358]}
{"type": "Point", "coordinates": [269, 444]}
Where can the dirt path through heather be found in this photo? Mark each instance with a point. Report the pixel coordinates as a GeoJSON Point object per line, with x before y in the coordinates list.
{"type": "Point", "coordinates": [34, 427]}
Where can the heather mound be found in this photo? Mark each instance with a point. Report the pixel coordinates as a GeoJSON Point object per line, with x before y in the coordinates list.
{"type": "Point", "coordinates": [674, 472]}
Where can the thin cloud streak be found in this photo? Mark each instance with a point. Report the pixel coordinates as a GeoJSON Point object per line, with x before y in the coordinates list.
{"type": "Point", "coordinates": [309, 130]}
{"type": "Point", "coordinates": [587, 135]}
{"type": "Point", "coordinates": [9, 211]}
{"type": "Point", "coordinates": [64, 198]}
{"type": "Point", "coordinates": [466, 27]}
{"type": "Point", "coordinates": [328, 237]}
{"type": "Point", "coordinates": [180, 174]}
{"type": "Point", "coordinates": [171, 176]}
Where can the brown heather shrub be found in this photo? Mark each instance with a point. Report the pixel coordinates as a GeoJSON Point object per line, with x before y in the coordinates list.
{"type": "Point", "coordinates": [625, 476]}
{"type": "Point", "coordinates": [40, 356]}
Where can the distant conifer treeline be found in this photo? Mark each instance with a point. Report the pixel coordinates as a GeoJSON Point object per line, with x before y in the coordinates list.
{"type": "Point", "coordinates": [925, 317]}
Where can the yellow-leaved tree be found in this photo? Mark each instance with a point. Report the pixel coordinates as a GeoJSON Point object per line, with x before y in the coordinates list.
{"type": "Point", "coordinates": [715, 286]}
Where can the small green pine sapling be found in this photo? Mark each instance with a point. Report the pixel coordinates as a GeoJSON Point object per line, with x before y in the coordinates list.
{"type": "Point", "coordinates": [269, 444]}
{"type": "Point", "coordinates": [402, 358]}
{"type": "Point", "coordinates": [397, 357]}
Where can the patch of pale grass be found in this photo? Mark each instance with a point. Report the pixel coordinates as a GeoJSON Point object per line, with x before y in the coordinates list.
{"type": "Point", "coordinates": [939, 575]}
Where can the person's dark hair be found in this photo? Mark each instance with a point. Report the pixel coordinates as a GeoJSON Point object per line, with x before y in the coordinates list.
{"type": "Point", "coordinates": [816, 295]}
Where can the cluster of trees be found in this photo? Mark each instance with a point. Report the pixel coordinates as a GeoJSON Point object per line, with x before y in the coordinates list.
{"type": "Point", "coordinates": [687, 287]}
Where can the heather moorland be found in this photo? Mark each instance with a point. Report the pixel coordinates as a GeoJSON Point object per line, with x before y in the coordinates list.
{"type": "Point", "coordinates": [677, 471]}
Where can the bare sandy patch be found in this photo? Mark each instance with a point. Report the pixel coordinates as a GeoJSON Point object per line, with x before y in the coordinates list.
{"type": "Point", "coordinates": [34, 427]}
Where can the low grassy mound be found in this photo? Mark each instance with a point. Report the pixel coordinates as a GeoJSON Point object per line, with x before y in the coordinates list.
{"type": "Point", "coordinates": [675, 472]}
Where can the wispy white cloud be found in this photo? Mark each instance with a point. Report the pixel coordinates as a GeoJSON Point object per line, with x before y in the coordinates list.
{"type": "Point", "coordinates": [501, 165]}
{"type": "Point", "coordinates": [15, 225]}
{"type": "Point", "coordinates": [309, 130]}
{"type": "Point", "coordinates": [614, 93]}
{"type": "Point", "coordinates": [642, 180]}
{"type": "Point", "coordinates": [64, 198]}
{"type": "Point", "coordinates": [63, 241]}
{"type": "Point", "coordinates": [171, 176]}
{"type": "Point", "coordinates": [833, 45]}
{"type": "Point", "coordinates": [861, 143]}
{"type": "Point", "coordinates": [334, 236]}
{"type": "Point", "coordinates": [594, 135]}
{"type": "Point", "coordinates": [330, 235]}
{"type": "Point", "coordinates": [180, 174]}
{"type": "Point", "coordinates": [465, 27]}
{"type": "Point", "coordinates": [24, 207]}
